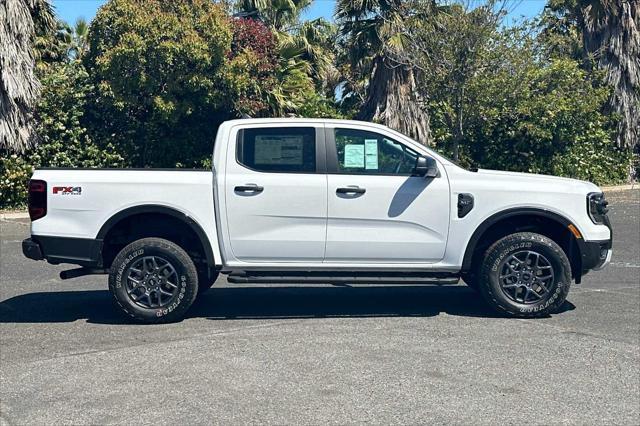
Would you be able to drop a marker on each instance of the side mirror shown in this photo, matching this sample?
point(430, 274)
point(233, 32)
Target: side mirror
point(426, 166)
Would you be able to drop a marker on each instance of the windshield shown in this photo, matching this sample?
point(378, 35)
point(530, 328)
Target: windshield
point(471, 168)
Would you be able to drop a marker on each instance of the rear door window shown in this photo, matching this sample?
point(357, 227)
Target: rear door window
point(278, 150)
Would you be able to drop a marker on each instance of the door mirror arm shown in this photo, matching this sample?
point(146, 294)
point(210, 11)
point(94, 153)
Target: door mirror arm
point(426, 167)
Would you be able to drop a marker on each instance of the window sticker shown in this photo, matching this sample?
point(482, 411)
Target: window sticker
point(371, 154)
point(279, 149)
point(353, 156)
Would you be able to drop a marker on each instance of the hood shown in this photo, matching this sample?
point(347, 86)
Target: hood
point(573, 185)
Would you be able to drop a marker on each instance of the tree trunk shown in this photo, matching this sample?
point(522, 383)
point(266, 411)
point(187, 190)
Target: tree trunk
point(613, 37)
point(392, 100)
point(458, 130)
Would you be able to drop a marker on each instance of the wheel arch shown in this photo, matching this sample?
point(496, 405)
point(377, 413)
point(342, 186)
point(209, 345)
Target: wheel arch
point(154, 209)
point(548, 223)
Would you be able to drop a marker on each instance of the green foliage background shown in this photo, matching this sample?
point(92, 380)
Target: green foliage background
point(157, 73)
point(150, 83)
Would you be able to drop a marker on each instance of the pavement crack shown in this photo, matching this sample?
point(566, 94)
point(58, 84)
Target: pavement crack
point(565, 330)
point(163, 342)
point(604, 290)
point(624, 265)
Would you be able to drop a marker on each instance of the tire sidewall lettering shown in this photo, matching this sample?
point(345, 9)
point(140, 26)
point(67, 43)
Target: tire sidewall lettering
point(125, 263)
point(546, 304)
point(179, 298)
point(186, 280)
point(496, 255)
point(507, 251)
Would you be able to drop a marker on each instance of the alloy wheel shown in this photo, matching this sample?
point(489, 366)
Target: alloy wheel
point(526, 277)
point(152, 282)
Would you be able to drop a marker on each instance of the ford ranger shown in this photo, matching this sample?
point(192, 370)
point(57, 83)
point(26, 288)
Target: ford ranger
point(319, 201)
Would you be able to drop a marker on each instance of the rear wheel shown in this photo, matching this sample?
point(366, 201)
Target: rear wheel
point(153, 280)
point(525, 275)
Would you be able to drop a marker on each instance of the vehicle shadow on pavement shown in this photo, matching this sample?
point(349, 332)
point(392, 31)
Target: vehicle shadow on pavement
point(261, 303)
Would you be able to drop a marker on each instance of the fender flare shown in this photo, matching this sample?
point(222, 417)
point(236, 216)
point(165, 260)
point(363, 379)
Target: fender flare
point(159, 209)
point(513, 212)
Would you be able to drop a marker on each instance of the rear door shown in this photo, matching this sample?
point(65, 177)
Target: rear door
point(377, 211)
point(276, 193)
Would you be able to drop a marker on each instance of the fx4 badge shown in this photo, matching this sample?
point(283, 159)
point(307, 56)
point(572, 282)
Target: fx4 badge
point(67, 190)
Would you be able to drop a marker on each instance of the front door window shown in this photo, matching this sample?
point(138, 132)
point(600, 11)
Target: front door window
point(368, 153)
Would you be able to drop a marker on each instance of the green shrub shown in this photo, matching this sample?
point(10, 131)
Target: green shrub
point(318, 106)
point(156, 68)
point(594, 157)
point(15, 172)
point(533, 114)
point(64, 141)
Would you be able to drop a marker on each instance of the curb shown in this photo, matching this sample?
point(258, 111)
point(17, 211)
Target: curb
point(616, 188)
point(14, 215)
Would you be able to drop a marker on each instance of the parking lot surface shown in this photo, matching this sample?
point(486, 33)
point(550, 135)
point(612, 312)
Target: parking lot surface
point(320, 354)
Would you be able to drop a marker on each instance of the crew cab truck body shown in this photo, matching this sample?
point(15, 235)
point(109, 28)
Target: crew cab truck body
point(307, 200)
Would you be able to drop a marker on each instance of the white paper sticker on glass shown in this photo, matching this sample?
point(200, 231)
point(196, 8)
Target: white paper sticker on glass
point(354, 156)
point(371, 154)
point(276, 149)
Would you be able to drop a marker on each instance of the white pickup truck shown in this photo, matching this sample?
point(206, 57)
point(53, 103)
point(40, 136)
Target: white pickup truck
point(321, 201)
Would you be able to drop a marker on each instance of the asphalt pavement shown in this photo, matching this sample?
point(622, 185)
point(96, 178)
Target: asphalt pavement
point(320, 354)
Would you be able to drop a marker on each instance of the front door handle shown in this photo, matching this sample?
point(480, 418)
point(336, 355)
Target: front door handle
point(250, 187)
point(351, 190)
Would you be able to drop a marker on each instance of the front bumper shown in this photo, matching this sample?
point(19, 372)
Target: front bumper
point(607, 260)
point(597, 254)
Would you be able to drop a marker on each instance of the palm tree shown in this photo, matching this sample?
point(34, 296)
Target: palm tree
point(76, 38)
point(611, 34)
point(304, 51)
point(278, 14)
point(375, 41)
point(21, 21)
point(314, 42)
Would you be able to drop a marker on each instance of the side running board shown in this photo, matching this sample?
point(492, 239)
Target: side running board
point(339, 278)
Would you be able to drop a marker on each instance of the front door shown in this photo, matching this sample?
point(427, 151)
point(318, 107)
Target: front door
point(276, 194)
point(377, 211)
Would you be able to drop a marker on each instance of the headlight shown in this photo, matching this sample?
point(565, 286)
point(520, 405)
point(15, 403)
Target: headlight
point(597, 207)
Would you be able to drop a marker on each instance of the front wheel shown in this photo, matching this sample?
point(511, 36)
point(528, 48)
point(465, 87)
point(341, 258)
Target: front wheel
point(525, 275)
point(153, 280)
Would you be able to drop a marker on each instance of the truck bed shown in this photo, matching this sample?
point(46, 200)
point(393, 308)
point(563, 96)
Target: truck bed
point(81, 201)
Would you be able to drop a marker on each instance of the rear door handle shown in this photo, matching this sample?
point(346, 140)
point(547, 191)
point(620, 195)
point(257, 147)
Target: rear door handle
point(250, 187)
point(351, 190)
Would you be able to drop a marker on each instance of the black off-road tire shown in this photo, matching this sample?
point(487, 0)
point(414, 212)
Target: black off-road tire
point(184, 278)
point(494, 263)
point(204, 282)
